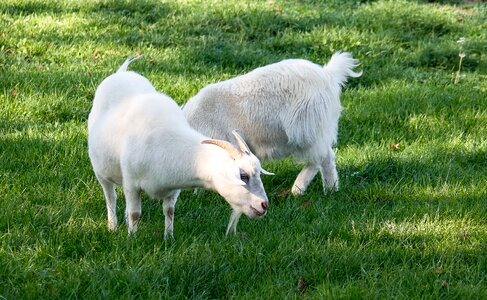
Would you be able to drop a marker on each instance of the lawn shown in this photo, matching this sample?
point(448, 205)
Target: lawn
point(410, 219)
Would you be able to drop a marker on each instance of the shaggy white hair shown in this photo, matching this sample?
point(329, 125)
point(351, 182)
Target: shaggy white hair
point(288, 108)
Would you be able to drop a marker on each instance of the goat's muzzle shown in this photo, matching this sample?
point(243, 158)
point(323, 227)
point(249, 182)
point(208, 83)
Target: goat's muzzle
point(257, 212)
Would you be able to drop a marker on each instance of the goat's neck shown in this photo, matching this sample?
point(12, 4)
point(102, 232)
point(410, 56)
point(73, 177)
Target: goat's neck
point(210, 162)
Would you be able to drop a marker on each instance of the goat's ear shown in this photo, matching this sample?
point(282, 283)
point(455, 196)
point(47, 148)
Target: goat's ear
point(241, 143)
point(266, 172)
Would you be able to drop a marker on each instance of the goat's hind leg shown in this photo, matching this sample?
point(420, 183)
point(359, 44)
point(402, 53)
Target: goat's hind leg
point(304, 178)
point(111, 201)
point(329, 174)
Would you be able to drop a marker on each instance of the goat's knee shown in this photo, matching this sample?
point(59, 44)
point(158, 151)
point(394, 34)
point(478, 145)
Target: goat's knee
point(168, 221)
point(168, 207)
point(133, 221)
point(133, 210)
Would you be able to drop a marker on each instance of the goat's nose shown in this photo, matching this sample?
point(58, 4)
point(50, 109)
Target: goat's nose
point(265, 205)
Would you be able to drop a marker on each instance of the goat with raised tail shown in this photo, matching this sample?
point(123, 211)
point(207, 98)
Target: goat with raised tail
point(288, 108)
point(139, 138)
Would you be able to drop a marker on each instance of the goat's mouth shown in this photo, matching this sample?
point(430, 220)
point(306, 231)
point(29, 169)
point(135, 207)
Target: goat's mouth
point(256, 212)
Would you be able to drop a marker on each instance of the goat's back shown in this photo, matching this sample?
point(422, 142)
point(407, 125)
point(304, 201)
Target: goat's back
point(279, 109)
point(130, 129)
point(115, 89)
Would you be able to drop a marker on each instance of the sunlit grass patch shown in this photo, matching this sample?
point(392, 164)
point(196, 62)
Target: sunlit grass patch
point(409, 220)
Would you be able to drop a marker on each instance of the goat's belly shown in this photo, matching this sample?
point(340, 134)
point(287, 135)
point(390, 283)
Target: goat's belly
point(270, 147)
point(109, 170)
point(158, 193)
point(269, 152)
point(105, 165)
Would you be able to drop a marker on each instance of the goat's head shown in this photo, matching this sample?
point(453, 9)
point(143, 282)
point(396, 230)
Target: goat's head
point(241, 185)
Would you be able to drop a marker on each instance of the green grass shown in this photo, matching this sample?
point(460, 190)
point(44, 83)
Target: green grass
point(410, 220)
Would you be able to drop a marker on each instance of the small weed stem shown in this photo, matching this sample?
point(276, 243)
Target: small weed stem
point(461, 54)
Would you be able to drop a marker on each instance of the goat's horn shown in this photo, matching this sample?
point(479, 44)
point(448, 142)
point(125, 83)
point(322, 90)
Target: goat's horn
point(266, 172)
point(231, 149)
point(241, 143)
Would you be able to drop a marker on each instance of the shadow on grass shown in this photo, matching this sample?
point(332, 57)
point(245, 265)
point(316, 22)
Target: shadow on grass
point(241, 40)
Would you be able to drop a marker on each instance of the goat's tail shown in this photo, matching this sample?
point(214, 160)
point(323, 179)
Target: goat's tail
point(127, 62)
point(341, 67)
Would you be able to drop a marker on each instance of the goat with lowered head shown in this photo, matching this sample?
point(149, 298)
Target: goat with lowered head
point(287, 108)
point(139, 138)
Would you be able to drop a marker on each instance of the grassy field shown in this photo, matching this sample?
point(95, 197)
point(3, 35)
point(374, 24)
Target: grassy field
point(410, 220)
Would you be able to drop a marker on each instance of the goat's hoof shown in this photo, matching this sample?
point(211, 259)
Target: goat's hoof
point(331, 188)
point(168, 234)
point(297, 191)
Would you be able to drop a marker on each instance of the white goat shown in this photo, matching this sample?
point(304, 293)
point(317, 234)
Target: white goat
point(139, 138)
point(288, 108)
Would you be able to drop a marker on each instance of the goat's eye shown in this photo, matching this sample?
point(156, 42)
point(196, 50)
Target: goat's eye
point(244, 177)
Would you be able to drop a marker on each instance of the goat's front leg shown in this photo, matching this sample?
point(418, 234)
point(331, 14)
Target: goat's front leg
point(133, 208)
point(304, 178)
point(232, 225)
point(168, 207)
